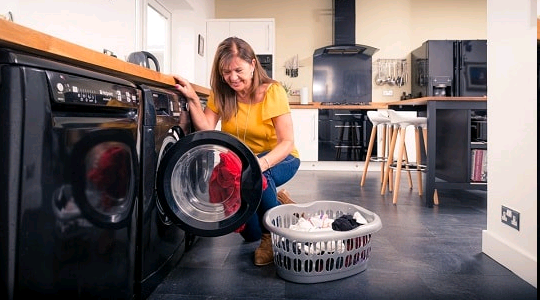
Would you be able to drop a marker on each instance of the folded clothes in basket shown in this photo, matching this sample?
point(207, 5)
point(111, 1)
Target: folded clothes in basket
point(323, 223)
point(314, 223)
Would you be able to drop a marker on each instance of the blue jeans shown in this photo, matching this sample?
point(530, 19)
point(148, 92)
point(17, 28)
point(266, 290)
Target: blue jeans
point(275, 176)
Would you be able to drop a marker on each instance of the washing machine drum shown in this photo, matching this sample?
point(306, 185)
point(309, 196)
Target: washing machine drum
point(209, 183)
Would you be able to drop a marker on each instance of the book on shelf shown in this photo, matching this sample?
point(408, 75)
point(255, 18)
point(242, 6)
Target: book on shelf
point(479, 165)
point(473, 155)
point(483, 173)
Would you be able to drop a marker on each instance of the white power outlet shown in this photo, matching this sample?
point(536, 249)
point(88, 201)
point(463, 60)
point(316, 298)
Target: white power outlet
point(387, 93)
point(510, 217)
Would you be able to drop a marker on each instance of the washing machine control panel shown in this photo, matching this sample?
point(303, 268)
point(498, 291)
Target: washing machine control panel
point(71, 89)
point(169, 103)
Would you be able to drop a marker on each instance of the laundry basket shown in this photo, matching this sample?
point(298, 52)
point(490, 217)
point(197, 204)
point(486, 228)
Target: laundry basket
point(318, 256)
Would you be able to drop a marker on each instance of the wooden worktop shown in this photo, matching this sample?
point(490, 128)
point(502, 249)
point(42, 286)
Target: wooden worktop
point(424, 100)
point(384, 105)
point(318, 105)
point(21, 38)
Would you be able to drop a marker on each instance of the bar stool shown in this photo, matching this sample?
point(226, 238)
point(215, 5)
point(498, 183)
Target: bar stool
point(377, 118)
point(402, 122)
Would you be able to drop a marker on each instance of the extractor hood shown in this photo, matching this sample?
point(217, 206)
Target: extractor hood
point(344, 19)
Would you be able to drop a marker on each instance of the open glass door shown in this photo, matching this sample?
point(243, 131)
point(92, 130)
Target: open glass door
point(209, 183)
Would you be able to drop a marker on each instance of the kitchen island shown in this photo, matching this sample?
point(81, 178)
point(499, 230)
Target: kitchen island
point(449, 141)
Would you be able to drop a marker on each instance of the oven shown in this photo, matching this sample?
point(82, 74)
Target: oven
point(343, 134)
point(266, 63)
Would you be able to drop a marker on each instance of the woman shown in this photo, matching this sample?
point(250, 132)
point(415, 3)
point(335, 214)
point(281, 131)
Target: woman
point(254, 108)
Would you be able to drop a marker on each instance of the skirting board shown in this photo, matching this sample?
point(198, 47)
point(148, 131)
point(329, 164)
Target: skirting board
point(357, 166)
point(511, 258)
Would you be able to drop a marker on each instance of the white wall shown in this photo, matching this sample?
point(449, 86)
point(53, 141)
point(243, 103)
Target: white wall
point(112, 25)
point(188, 22)
point(512, 132)
point(97, 24)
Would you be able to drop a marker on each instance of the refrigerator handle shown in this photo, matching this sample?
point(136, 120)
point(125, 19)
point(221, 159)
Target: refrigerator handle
point(457, 69)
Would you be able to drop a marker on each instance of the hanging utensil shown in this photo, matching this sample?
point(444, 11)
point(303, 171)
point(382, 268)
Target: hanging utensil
point(380, 80)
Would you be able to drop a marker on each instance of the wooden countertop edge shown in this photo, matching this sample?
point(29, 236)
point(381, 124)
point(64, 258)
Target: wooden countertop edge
point(17, 37)
point(384, 105)
point(424, 100)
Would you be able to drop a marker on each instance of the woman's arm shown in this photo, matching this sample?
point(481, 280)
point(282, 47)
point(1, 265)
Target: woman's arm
point(285, 142)
point(202, 120)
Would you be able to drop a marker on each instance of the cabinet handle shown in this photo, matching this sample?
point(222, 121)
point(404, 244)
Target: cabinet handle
point(313, 133)
point(267, 38)
point(354, 115)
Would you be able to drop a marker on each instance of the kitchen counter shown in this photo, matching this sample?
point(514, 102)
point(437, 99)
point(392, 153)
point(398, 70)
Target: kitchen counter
point(21, 38)
point(384, 105)
point(317, 105)
point(425, 100)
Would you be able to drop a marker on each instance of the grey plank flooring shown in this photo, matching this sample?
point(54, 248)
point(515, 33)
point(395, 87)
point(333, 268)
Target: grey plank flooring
point(420, 252)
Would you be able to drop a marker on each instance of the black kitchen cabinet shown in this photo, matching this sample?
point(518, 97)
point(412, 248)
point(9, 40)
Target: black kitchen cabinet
point(343, 135)
point(459, 133)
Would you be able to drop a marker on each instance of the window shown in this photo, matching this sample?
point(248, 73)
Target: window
point(156, 33)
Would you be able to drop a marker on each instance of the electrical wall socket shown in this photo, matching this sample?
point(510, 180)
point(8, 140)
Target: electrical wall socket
point(387, 93)
point(510, 217)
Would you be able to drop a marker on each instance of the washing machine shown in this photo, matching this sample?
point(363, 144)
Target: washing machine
point(70, 180)
point(160, 244)
point(182, 198)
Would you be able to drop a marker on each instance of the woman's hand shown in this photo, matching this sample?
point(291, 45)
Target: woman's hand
point(263, 163)
point(185, 88)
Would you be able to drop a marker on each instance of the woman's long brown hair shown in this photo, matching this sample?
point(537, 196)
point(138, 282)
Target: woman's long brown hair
point(224, 95)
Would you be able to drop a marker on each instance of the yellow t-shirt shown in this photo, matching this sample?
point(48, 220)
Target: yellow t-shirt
point(253, 123)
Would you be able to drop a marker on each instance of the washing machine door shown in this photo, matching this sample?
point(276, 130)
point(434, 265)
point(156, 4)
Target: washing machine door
point(209, 183)
point(104, 168)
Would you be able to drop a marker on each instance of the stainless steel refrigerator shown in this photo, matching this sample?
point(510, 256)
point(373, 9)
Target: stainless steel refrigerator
point(449, 68)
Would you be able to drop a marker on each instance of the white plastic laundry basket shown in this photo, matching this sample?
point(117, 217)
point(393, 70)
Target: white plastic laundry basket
point(310, 257)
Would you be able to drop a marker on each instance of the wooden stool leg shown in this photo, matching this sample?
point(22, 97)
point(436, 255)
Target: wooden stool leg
point(368, 156)
point(389, 160)
point(406, 159)
point(403, 130)
point(383, 150)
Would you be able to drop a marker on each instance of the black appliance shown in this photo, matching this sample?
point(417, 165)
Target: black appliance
point(69, 185)
point(266, 63)
point(160, 244)
point(449, 68)
point(343, 135)
point(342, 72)
point(145, 59)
